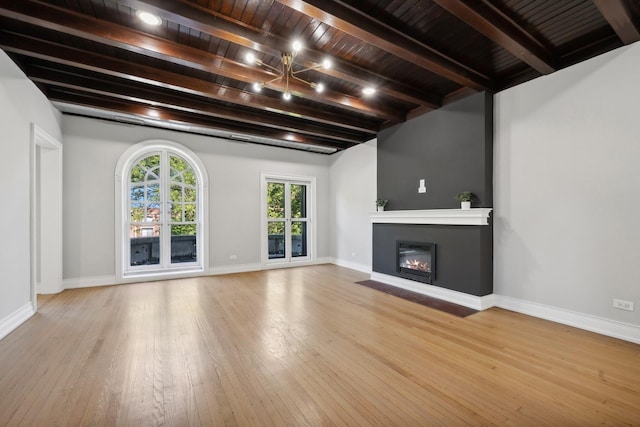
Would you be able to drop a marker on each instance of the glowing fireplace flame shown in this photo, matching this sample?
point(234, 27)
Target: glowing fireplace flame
point(415, 264)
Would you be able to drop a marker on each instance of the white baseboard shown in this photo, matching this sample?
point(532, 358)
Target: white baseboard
point(277, 265)
point(231, 269)
point(471, 301)
point(353, 265)
point(91, 282)
point(88, 282)
point(608, 327)
point(611, 328)
point(45, 290)
point(15, 319)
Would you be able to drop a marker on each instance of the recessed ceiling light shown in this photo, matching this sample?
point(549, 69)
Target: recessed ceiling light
point(149, 18)
point(368, 91)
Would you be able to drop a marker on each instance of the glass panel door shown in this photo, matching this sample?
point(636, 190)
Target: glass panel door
point(287, 220)
point(276, 220)
point(163, 213)
point(298, 193)
point(183, 211)
point(144, 212)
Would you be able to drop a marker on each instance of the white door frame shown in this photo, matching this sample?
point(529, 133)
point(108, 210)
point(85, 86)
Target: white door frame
point(45, 188)
point(311, 222)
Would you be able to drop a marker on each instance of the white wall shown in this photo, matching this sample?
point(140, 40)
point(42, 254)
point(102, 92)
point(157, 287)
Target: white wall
point(21, 104)
point(353, 195)
point(91, 151)
point(567, 188)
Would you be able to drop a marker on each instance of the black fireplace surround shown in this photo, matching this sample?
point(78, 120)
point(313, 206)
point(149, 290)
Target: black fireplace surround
point(465, 254)
point(416, 260)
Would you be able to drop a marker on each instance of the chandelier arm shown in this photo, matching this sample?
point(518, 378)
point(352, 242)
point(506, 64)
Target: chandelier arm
point(272, 80)
point(315, 67)
point(262, 64)
point(303, 80)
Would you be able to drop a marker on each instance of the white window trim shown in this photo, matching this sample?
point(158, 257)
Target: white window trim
point(124, 164)
point(311, 222)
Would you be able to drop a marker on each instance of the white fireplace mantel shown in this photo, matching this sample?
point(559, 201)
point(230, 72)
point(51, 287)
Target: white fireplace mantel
point(473, 216)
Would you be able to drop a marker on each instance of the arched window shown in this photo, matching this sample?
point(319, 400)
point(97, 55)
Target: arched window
point(161, 203)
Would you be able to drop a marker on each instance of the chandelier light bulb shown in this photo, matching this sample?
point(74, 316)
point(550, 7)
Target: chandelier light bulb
point(368, 91)
point(326, 63)
point(286, 96)
point(297, 45)
point(250, 58)
point(257, 87)
point(148, 18)
point(319, 87)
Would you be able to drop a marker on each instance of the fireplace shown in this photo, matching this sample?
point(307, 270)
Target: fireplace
point(416, 260)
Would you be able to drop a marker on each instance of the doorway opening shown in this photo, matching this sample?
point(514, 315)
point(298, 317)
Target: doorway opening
point(46, 214)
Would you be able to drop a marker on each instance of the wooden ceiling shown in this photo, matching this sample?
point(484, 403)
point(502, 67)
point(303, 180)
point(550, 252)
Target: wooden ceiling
point(95, 57)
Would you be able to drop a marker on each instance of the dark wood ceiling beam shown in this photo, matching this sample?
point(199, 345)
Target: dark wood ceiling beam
point(619, 17)
point(156, 98)
point(121, 37)
point(210, 22)
point(113, 67)
point(501, 29)
point(363, 27)
point(129, 107)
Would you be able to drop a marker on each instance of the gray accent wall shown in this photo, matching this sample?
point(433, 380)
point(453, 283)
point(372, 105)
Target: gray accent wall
point(452, 150)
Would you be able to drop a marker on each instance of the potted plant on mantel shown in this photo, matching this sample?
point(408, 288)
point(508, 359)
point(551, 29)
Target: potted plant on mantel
point(380, 204)
point(465, 199)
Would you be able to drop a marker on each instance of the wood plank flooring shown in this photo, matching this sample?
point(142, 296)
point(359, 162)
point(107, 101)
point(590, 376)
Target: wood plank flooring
point(303, 346)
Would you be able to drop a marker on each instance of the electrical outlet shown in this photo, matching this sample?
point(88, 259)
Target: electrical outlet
point(233, 256)
point(622, 304)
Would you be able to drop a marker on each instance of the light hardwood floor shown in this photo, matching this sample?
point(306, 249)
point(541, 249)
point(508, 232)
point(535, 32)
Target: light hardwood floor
point(303, 346)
